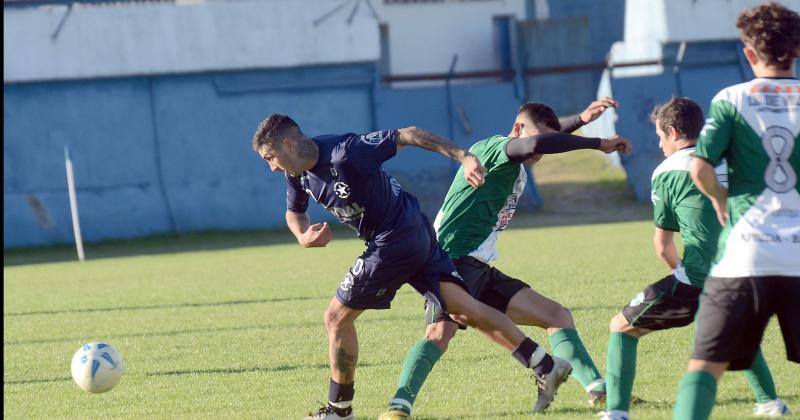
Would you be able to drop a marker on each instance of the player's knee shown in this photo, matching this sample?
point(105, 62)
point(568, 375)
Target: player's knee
point(440, 333)
point(461, 319)
point(334, 317)
point(716, 369)
point(564, 318)
point(619, 324)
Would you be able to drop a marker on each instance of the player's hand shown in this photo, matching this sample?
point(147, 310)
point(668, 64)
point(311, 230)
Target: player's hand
point(596, 108)
point(615, 144)
point(317, 235)
point(721, 207)
point(473, 170)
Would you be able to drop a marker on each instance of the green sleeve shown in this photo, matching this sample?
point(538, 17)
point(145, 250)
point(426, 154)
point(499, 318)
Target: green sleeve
point(663, 214)
point(492, 153)
point(716, 135)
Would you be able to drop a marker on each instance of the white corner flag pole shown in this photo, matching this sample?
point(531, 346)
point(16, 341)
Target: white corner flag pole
point(73, 205)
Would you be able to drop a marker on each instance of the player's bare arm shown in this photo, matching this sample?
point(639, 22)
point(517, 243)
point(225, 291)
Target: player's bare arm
point(596, 108)
point(706, 181)
point(413, 136)
point(308, 235)
point(591, 113)
point(665, 247)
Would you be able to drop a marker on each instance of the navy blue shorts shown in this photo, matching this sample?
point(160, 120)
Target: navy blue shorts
point(413, 257)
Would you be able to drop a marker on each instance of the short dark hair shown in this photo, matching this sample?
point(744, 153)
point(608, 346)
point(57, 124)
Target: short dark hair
point(271, 130)
point(541, 115)
point(774, 31)
point(681, 113)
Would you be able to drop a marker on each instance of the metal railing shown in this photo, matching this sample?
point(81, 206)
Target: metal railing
point(510, 73)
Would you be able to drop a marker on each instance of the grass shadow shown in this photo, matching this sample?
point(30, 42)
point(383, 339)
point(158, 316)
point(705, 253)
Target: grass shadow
point(572, 209)
point(206, 330)
point(172, 306)
point(151, 245)
point(239, 370)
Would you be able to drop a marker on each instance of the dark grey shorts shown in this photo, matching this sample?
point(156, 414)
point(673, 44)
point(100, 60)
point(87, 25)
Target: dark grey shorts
point(734, 313)
point(488, 284)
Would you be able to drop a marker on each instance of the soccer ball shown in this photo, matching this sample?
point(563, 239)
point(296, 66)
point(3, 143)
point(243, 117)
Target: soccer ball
point(97, 367)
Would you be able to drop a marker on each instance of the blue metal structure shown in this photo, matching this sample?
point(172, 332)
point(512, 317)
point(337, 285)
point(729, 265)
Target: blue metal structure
point(171, 153)
point(696, 69)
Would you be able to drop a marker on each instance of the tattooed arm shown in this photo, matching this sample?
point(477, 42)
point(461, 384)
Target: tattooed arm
point(413, 136)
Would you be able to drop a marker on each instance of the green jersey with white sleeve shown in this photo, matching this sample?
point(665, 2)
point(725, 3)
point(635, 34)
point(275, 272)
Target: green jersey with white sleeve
point(679, 206)
point(755, 126)
point(471, 218)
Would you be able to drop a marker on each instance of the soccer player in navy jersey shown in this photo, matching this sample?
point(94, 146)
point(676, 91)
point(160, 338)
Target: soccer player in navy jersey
point(343, 174)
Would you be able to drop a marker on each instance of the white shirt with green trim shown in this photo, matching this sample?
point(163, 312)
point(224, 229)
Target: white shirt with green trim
point(755, 126)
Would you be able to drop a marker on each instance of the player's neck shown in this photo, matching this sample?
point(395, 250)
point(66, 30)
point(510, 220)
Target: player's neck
point(684, 144)
point(308, 151)
point(774, 72)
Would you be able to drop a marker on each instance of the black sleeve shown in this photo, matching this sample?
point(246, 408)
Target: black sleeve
point(570, 124)
point(523, 148)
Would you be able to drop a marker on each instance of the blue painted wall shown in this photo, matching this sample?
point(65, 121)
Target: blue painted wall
point(160, 154)
point(109, 126)
point(558, 42)
point(606, 22)
point(575, 32)
point(172, 153)
point(604, 25)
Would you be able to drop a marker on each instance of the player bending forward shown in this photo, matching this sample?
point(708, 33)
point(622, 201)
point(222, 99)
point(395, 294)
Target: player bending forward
point(343, 174)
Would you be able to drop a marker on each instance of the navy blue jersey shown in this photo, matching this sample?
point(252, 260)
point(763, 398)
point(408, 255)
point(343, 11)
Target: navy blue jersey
point(349, 182)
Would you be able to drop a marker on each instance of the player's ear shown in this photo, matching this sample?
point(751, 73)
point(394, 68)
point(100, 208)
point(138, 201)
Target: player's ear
point(673, 133)
point(517, 129)
point(750, 54)
point(288, 143)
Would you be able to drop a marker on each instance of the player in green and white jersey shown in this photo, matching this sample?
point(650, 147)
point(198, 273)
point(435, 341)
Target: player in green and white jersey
point(672, 302)
point(470, 221)
point(755, 126)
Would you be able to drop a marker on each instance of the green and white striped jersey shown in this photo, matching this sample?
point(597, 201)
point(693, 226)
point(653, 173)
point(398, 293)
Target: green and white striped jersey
point(471, 218)
point(679, 206)
point(755, 126)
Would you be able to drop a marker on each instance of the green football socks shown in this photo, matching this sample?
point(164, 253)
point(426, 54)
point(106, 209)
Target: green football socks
point(696, 394)
point(566, 344)
point(418, 364)
point(620, 370)
point(760, 379)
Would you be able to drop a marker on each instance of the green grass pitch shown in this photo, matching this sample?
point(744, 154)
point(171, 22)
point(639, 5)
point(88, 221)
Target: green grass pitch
point(230, 326)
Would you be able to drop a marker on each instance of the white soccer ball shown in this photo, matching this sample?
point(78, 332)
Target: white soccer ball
point(97, 367)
